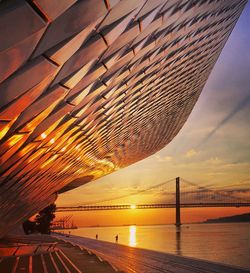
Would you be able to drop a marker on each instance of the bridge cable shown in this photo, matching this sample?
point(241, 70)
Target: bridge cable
point(131, 194)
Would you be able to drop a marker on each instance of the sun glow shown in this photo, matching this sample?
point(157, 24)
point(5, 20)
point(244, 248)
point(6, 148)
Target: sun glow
point(133, 206)
point(132, 236)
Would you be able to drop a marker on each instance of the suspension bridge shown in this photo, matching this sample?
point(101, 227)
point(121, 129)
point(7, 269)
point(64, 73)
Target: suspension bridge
point(180, 194)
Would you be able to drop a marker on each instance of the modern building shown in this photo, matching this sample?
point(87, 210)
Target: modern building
point(90, 86)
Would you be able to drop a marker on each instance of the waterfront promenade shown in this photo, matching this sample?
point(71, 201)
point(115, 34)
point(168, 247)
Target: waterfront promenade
point(74, 254)
point(136, 260)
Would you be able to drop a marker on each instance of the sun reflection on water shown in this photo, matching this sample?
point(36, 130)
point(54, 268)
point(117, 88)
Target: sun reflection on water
point(132, 236)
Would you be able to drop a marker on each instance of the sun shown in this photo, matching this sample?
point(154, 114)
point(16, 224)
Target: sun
point(133, 206)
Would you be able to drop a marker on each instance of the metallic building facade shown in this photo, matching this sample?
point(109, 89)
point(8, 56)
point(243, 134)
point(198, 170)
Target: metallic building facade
point(91, 86)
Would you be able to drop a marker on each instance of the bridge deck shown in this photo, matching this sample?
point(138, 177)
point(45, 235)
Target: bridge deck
point(151, 206)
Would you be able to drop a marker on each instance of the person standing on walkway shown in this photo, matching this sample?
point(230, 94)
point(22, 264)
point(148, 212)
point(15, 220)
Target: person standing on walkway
point(96, 236)
point(116, 238)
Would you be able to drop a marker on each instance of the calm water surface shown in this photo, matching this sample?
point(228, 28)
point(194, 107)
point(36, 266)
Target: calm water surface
point(224, 243)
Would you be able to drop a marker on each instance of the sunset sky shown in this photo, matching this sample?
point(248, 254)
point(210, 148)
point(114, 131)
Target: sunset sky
point(212, 149)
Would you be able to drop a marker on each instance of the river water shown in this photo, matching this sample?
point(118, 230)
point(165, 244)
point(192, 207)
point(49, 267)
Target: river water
point(223, 243)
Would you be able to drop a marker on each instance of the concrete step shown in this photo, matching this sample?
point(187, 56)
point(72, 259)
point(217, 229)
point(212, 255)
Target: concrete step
point(87, 261)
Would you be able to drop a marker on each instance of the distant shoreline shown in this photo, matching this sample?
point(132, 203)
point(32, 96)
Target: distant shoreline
point(239, 218)
point(184, 224)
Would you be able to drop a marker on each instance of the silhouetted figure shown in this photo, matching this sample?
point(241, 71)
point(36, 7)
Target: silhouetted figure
point(116, 238)
point(96, 236)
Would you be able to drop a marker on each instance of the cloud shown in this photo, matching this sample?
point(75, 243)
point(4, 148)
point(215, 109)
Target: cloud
point(191, 153)
point(214, 161)
point(164, 158)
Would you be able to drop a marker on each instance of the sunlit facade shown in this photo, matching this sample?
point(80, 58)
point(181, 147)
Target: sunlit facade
point(89, 87)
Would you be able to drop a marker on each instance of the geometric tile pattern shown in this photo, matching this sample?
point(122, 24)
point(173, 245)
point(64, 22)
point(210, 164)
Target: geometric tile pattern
point(88, 87)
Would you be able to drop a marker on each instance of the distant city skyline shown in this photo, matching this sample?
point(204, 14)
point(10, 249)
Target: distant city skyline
point(213, 146)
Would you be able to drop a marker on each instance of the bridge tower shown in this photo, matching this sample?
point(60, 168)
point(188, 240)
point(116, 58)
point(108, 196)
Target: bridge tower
point(177, 203)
